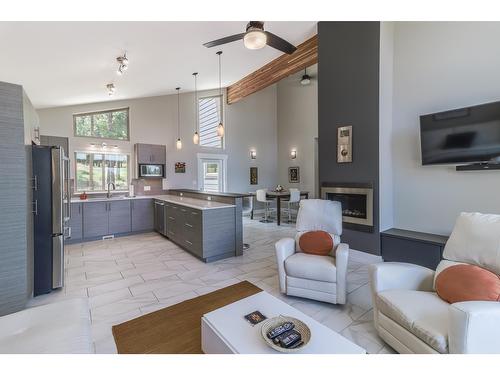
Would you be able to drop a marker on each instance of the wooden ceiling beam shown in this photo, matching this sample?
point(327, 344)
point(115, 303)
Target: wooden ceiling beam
point(281, 67)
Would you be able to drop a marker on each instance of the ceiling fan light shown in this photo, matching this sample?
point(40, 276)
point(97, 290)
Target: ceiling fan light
point(220, 130)
point(305, 80)
point(255, 39)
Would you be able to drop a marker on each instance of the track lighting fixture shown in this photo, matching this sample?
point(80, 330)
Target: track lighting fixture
point(122, 64)
point(111, 89)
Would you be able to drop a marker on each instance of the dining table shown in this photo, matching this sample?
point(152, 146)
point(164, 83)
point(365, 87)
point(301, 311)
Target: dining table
point(279, 195)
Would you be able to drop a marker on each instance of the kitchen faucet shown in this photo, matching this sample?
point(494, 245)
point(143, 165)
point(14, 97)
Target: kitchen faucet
point(108, 195)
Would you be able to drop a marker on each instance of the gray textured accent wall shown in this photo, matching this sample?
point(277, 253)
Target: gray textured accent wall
point(348, 94)
point(13, 201)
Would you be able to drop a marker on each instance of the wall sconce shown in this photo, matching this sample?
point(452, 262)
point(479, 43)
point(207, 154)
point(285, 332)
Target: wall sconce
point(293, 154)
point(253, 154)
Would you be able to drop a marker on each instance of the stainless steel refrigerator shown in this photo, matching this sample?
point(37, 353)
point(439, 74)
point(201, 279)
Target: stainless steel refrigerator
point(51, 210)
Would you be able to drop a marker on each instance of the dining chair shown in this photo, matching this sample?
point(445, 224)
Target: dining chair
point(261, 196)
point(292, 202)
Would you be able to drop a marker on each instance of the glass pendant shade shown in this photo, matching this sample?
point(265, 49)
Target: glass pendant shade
point(255, 39)
point(220, 130)
point(178, 144)
point(196, 138)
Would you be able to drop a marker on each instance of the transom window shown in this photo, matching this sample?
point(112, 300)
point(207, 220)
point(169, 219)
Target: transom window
point(95, 170)
point(112, 124)
point(210, 115)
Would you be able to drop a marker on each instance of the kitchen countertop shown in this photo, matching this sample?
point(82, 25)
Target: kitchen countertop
point(199, 204)
point(215, 194)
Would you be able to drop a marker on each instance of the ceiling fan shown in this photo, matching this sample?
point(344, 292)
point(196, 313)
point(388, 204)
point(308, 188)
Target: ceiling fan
point(256, 38)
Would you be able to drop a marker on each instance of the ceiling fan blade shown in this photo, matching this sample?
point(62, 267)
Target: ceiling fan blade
point(279, 43)
point(227, 39)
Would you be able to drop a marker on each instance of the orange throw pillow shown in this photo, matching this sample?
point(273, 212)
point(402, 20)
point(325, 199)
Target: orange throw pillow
point(317, 242)
point(465, 282)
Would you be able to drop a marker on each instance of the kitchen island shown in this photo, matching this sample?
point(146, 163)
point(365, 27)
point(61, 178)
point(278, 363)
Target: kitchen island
point(206, 229)
point(235, 199)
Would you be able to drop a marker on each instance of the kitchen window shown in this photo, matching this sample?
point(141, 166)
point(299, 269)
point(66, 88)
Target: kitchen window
point(112, 124)
point(210, 115)
point(95, 170)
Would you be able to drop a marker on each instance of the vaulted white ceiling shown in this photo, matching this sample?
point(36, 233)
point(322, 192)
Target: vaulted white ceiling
point(65, 63)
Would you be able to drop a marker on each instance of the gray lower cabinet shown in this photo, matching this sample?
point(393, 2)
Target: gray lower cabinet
point(76, 222)
point(142, 215)
point(207, 234)
point(119, 220)
point(95, 219)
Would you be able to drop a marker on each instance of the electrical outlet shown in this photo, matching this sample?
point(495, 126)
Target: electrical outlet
point(147, 188)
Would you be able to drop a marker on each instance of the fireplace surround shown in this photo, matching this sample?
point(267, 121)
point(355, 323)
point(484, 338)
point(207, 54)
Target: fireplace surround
point(357, 203)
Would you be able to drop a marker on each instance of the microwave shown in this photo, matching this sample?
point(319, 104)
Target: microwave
point(151, 170)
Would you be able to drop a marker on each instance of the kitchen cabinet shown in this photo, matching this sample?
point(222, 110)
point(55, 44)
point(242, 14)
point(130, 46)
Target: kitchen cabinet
point(103, 218)
point(76, 223)
point(95, 219)
point(119, 220)
point(207, 234)
point(49, 140)
point(150, 154)
point(142, 215)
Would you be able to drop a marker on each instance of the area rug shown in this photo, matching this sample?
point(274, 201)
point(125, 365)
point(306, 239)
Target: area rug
point(176, 329)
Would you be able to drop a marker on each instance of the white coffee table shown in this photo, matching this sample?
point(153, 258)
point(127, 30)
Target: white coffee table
point(225, 330)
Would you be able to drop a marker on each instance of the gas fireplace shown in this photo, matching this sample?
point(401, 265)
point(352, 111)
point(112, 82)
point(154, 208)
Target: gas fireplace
point(356, 201)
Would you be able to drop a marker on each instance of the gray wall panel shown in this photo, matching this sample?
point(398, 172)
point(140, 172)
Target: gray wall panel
point(13, 201)
point(348, 94)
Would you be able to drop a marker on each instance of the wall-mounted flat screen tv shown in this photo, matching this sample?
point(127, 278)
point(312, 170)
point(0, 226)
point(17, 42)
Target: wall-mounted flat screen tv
point(465, 135)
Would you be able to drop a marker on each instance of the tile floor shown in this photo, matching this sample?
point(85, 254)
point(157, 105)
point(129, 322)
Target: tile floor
point(130, 276)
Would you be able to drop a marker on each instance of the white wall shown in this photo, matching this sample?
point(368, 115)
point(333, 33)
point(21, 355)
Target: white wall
point(297, 129)
point(249, 123)
point(440, 66)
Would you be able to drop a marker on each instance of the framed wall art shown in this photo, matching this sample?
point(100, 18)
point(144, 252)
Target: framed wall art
point(293, 175)
point(254, 180)
point(180, 167)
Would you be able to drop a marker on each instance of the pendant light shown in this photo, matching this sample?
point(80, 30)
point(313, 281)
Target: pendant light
point(306, 79)
point(220, 128)
point(196, 136)
point(178, 144)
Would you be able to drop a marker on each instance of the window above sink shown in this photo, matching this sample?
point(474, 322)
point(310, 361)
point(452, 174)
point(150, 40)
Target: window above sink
point(94, 170)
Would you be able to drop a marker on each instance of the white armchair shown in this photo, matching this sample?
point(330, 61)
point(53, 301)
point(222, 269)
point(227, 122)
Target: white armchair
point(410, 316)
point(321, 278)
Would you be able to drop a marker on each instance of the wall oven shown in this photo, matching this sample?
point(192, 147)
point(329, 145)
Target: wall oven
point(151, 170)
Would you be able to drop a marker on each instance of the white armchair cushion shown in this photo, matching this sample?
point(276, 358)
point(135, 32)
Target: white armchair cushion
point(475, 240)
point(422, 313)
point(319, 214)
point(312, 267)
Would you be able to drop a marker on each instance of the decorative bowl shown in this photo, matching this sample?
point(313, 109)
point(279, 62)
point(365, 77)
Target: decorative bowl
point(300, 327)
